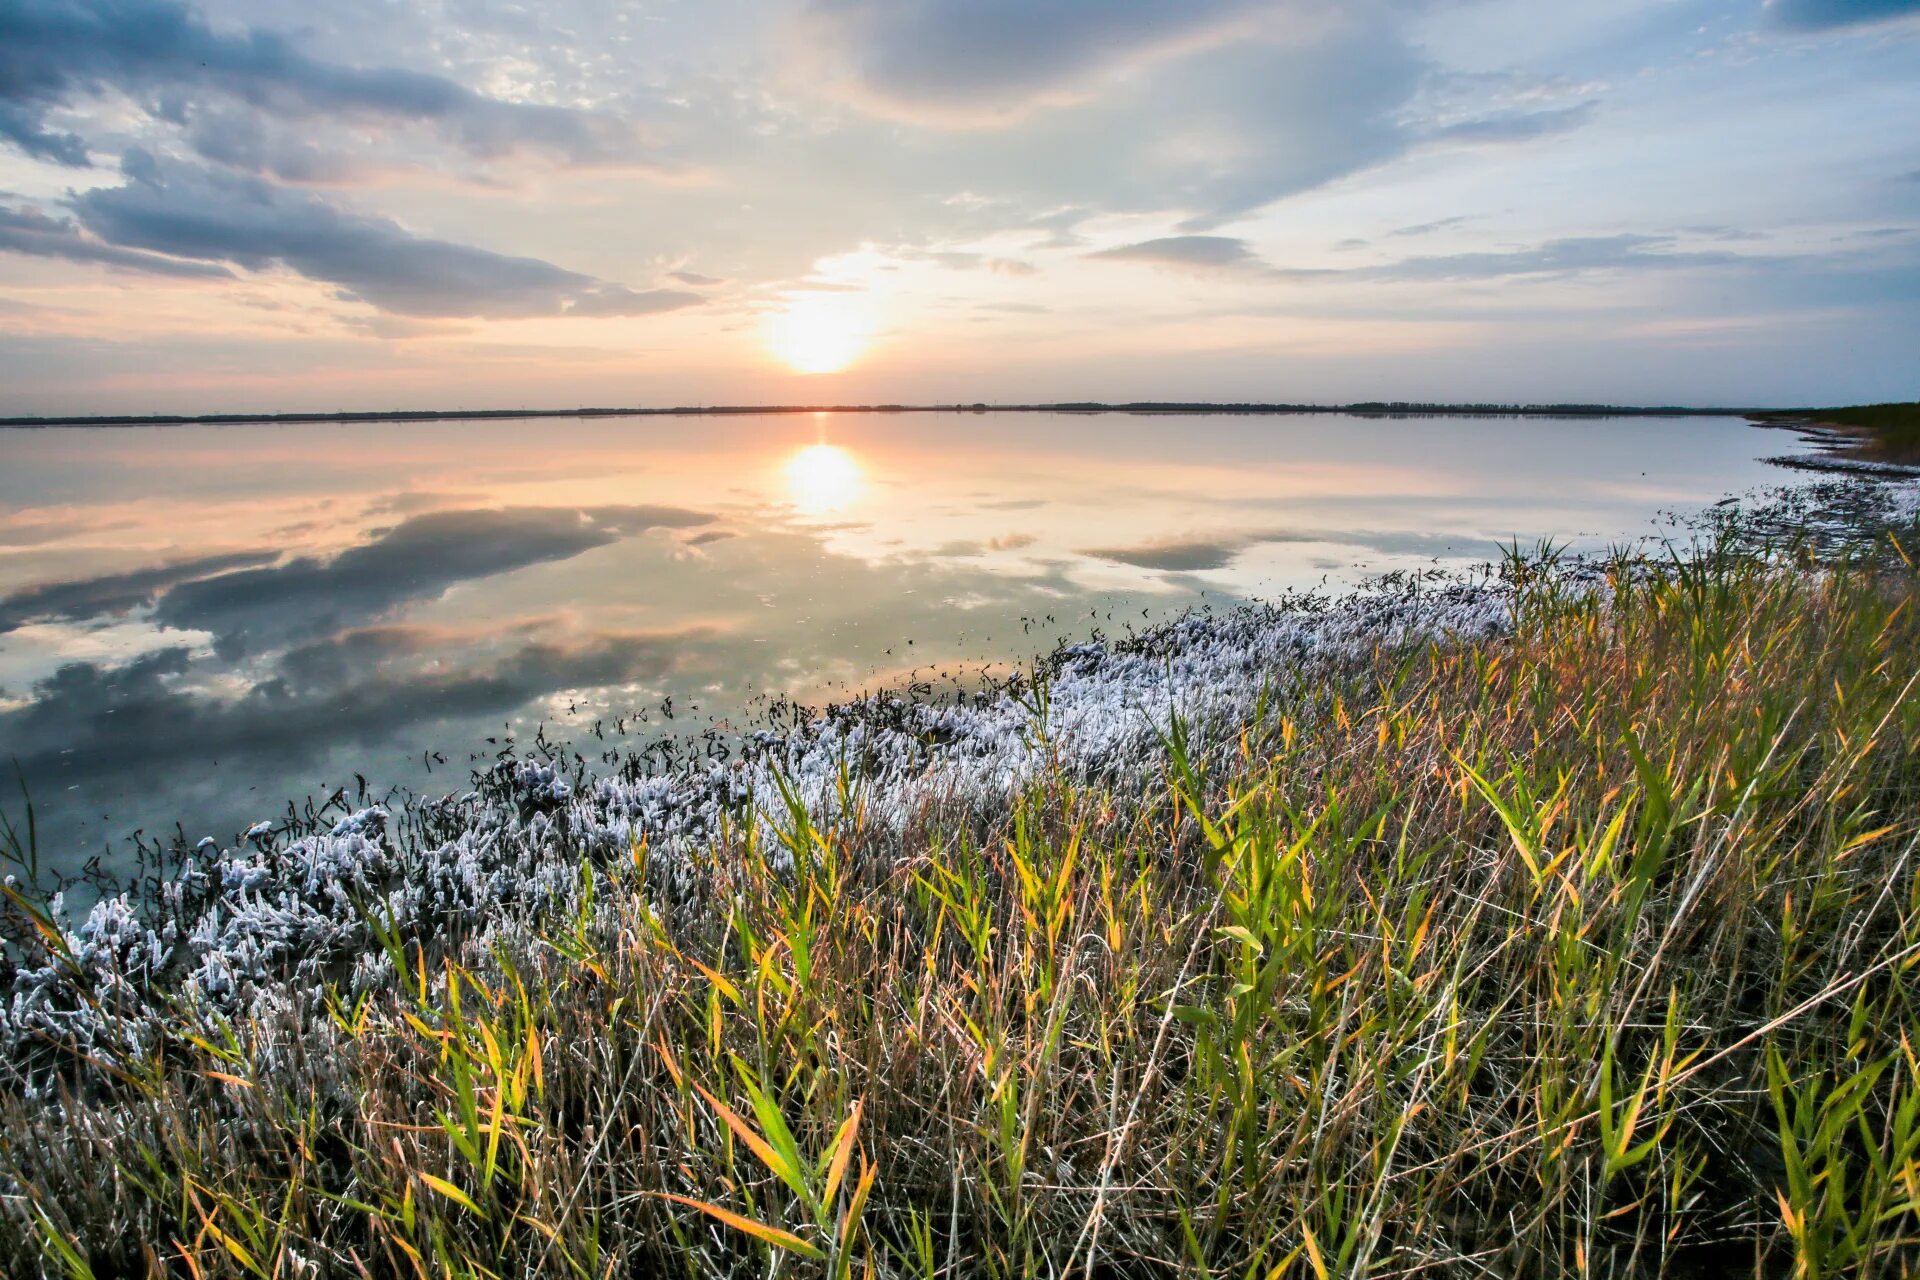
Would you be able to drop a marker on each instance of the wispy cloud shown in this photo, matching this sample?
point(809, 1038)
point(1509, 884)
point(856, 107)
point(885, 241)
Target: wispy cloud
point(990, 61)
point(417, 559)
point(1517, 126)
point(55, 53)
point(1570, 256)
point(207, 215)
point(1428, 228)
point(85, 599)
point(28, 231)
point(1827, 15)
point(1187, 253)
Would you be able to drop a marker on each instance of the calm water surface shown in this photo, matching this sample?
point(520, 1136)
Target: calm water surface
point(199, 623)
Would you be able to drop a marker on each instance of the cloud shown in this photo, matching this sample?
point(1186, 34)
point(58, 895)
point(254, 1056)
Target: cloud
point(695, 279)
point(56, 53)
point(1516, 126)
point(1827, 15)
point(1217, 551)
point(239, 137)
point(989, 61)
point(1570, 256)
point(958, 260)
point(1189, 253)
point(618, 300)
point(89, 721)
point(822, 286)
point(23, 126)
point(399, 328)
point(88, 598)
point(1188, 555)
point(409, 502)
point(417, 559)
point(212, 216)
point(1199, 125)
point(1721, 231)
point(26, 230)
point(30, 528)
point(1426, 228)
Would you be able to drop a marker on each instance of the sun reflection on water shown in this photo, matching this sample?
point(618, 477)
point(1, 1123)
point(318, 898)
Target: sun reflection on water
point(822, 478)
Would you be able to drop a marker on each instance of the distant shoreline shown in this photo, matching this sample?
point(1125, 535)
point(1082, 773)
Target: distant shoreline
point(1368, 408)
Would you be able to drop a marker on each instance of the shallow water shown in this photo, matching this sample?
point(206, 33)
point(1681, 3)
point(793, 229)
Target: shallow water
point(199, 623)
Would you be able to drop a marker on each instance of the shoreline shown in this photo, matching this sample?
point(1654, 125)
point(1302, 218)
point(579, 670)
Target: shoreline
point(1254, 843)
point(1357, 409)
point(1875, 442)
point(509, 838)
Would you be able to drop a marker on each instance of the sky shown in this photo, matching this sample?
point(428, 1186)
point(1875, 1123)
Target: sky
point(271, 205)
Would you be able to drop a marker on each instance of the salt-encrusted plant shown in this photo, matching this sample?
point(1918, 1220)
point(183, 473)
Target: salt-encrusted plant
point(1563, 922)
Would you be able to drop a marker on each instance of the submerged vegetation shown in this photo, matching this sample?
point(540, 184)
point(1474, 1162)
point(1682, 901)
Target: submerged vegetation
point(1562, 923)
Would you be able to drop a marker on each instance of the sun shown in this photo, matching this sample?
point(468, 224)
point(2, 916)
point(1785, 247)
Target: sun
point(822, 478)
point(819, 335)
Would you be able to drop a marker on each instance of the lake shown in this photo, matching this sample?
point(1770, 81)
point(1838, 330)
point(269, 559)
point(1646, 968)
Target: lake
point(200, 623)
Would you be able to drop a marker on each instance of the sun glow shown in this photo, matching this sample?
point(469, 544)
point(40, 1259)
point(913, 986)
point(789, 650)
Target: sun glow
point(822, 477)
point(820, 334)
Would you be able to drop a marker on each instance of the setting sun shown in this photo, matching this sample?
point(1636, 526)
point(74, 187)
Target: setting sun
point(819, 335)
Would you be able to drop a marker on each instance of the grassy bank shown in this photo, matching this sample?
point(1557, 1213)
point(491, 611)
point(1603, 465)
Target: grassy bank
point(1590, 948)
point(1872, 433)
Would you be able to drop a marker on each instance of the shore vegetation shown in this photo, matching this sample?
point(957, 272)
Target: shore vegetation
point(1587, 944)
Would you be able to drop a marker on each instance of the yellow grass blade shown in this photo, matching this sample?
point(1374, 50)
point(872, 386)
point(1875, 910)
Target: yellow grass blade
point(450, 1191)
point(760, 1147)
point(759, 1230)
point(843, 1148)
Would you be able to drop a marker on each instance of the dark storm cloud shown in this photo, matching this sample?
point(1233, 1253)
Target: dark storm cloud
point(31, 232)
point(417, 559)
point(54, 53)
point(1208, 253)
point(145, 715)
point(213, 216)
point(115, 593)
point(1823, 15)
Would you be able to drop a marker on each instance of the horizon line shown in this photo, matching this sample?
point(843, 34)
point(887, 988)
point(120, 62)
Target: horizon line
point(1358, 408)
